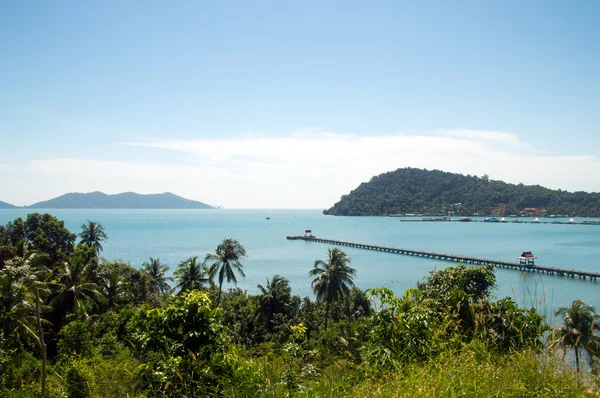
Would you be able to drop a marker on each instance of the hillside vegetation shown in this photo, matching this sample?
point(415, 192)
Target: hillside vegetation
point(434, 192)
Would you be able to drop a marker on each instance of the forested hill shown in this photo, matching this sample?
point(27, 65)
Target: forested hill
point(434, 192)
point(126, 200)
point(4, 205)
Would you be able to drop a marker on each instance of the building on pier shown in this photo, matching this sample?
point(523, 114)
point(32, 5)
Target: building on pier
point(527, 258)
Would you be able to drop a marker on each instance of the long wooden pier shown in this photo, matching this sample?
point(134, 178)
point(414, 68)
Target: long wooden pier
point(570, 273)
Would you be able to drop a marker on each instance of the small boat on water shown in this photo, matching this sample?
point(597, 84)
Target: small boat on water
point(503, 220)
point(491, 219)
point(465, 219)
point(268, 218)
point(536, 221)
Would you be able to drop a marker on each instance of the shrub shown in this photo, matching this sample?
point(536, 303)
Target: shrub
point(78, 380)
point(76, 341)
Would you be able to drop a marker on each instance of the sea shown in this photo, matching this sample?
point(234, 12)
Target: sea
point(175, 235)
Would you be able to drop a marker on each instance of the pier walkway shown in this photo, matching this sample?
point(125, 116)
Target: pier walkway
point(571, 273)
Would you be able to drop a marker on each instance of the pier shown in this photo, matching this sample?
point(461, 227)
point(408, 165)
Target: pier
point(569, 273)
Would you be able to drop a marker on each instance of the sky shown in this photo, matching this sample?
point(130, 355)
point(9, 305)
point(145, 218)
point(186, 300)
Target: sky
point(280, 104)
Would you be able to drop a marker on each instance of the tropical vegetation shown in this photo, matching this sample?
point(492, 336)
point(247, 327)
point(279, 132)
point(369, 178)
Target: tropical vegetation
point(224, 262)
point(434, 192)
point(333, 278)
point(580, 323)
point(74, 325)
point(190, 275)
point(92, 234)
point(158, 272)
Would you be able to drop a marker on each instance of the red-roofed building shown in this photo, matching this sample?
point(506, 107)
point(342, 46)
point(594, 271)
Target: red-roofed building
point(533, 211)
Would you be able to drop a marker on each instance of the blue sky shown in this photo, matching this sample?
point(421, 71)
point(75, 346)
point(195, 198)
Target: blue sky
point(292, 104)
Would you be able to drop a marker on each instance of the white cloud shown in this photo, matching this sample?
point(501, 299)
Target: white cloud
point(499, 136)
point(309, 169)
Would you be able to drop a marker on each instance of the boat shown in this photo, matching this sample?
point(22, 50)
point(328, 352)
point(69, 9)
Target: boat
point(465, 219)
point(503, 220)
point(268, 218)
point(491, 219)
point(536, 221)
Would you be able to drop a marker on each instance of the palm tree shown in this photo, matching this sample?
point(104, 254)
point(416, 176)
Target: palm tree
point(190, 275)
point(274, 297)
point(92, 234)
point(73, 291)
point(157, 272)
point(18, 279)
point(226, 258)
point(113, 289)
point(333, 278)
point(580, 323)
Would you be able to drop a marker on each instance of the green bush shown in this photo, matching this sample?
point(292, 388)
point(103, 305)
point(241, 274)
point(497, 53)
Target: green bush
point(78, 380)
point(76, 341)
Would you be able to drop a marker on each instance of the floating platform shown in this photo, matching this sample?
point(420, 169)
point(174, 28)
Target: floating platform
point(569, 273)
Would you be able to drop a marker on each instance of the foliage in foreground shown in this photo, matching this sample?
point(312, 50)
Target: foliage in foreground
point(478, 373)
point(113, 330)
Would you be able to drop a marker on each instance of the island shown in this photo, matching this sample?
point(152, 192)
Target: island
point(412, 191)
point(4, 205)
point(126, 200)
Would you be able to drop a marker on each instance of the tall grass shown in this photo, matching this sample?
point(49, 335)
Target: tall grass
point(473, 373)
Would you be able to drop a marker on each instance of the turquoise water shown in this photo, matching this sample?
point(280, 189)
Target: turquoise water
point(174, 235)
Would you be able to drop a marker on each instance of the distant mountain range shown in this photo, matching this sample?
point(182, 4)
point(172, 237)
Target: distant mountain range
point(126, 200)
point(4, 205)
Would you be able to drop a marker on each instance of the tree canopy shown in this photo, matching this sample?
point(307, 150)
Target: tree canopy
point(434, 192)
